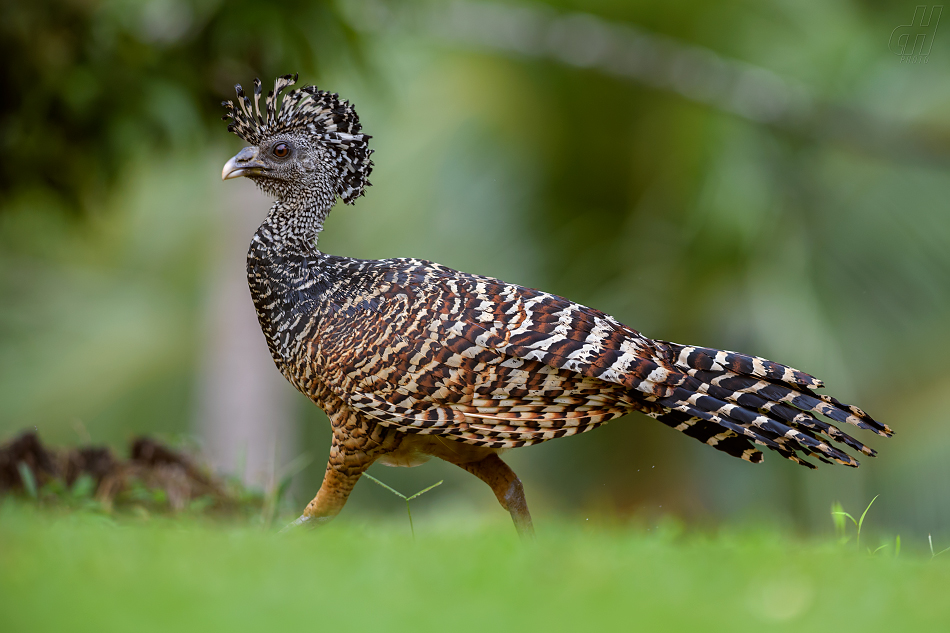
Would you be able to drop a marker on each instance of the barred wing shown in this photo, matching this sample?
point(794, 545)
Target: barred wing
point(427, 349)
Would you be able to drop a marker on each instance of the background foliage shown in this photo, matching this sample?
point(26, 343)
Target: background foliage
point(818, 238)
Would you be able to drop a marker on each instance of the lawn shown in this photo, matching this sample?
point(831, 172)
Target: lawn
point(63, 571)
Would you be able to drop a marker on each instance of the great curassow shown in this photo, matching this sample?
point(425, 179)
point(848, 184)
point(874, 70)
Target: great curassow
point(411, 359)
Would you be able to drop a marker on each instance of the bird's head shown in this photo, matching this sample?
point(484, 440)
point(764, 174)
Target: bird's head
point(304, 148)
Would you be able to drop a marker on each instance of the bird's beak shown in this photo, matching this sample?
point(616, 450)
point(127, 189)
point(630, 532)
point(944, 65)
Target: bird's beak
point(244, 163)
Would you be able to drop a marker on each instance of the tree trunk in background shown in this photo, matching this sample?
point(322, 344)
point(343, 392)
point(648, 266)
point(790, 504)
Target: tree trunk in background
point(245, 410)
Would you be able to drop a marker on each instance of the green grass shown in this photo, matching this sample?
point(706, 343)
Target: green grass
point(77, 571)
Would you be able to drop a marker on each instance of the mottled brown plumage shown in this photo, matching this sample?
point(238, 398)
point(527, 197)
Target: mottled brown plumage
point(411, 359)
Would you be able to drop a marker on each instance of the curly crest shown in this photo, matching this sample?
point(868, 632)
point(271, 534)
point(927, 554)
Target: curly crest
point(333, 121)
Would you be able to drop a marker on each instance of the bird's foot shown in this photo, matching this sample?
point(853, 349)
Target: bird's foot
point(304, 522)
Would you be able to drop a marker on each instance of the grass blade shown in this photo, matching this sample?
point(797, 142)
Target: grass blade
point(29, 481)
point(847, 515)
point(392, 490)
point(297, 465)
point(412, 528)
point(932, 555)
point(422, 492)
point(861, 522)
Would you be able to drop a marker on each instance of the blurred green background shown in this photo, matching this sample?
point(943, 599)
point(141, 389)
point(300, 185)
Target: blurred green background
point(765, 177)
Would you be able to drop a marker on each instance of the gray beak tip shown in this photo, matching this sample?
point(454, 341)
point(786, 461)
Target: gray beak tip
point(241, 164)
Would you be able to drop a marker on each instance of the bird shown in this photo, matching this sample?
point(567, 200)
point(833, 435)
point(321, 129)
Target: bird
point(411, 359)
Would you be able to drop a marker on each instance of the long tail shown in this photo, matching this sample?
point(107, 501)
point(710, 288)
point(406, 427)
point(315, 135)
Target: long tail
point(732, 400)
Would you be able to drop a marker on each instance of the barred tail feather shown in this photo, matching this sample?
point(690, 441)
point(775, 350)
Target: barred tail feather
point(706, 358)
point(712, 434)
point(760, 401)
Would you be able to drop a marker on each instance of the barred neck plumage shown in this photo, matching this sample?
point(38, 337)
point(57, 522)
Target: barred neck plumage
point(294, 228)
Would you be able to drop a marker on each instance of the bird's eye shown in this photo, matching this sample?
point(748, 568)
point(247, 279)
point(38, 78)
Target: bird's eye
point(281, 150)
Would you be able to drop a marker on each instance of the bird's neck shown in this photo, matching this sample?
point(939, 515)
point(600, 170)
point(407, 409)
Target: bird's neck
point(295, 227)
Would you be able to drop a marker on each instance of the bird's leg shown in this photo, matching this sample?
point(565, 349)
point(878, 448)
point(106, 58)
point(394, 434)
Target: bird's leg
point(338, 481)
point(507, 488)
point(343, 471)
point(356, 444)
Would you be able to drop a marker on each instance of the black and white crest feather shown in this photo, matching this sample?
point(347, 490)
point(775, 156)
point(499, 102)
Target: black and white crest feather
point(322, 114)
